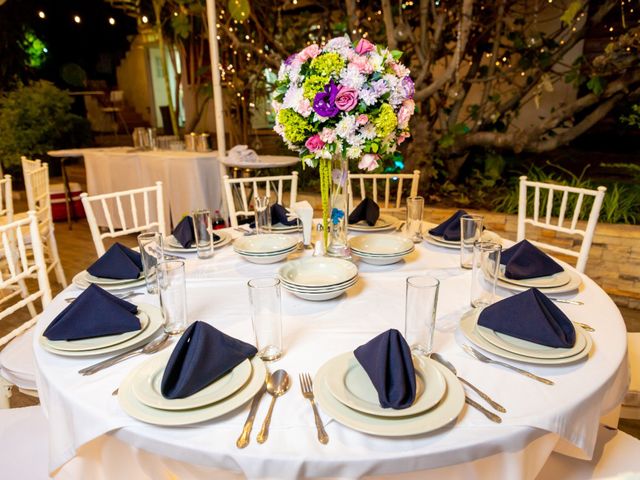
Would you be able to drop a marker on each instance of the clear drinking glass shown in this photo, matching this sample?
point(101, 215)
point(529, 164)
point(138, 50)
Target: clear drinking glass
point(173, 295)
point(151, 252)
point(486, 264)
point(202, 229)
point(262, 211)
point(266, 316)
point(470, 231)
point(415, 209)
point(420, 313)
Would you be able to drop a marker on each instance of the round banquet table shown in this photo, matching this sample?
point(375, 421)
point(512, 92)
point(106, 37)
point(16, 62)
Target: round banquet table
point(92, 437)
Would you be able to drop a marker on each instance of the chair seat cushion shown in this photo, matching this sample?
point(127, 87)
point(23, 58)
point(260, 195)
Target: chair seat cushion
point(17, 362)
point(632, 398)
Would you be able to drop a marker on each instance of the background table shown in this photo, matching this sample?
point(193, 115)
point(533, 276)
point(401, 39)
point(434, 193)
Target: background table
point(540, 418)
point(264, 161)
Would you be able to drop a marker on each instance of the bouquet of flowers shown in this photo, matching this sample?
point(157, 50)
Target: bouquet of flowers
point(341, 99)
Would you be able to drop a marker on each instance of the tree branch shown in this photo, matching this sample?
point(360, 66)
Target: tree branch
point(389, 27)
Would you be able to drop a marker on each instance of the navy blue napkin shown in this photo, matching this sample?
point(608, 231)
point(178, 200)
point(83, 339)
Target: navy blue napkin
point(387, 361)
point(531, 316)
point(450, 228)
point(279, 215)
point(203, 354)
point(367, 210)
point(119, 263)
point(525, 260)
point(183, 232)
point(95, 313)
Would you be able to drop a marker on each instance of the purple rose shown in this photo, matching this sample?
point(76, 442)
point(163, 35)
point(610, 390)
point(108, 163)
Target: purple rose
point(408, 86)
point(324, 103)
point(346, 99)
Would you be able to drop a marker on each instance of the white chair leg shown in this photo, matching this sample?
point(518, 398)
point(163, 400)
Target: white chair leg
point(5, 393)
point(24, 293)
point(56, 260)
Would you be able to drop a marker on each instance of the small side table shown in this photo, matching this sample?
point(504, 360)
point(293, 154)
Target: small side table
point(64, 155)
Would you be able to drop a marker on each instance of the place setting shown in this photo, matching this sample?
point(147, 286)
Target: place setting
point(119, 268)
point(185, 237)
point(366, 217)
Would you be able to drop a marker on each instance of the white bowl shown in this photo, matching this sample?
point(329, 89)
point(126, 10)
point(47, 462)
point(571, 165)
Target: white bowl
point(317, 272)
point(342, 286)
point(379, 260)
point(264, 244)
point(317, 297)
point(266, 259)
point(270, 254)
point(381, 244)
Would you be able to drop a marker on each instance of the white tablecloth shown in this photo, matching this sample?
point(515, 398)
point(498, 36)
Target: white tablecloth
point(190, 180)
point(540, 418)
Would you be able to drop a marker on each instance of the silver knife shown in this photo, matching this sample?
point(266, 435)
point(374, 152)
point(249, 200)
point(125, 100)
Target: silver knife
point(243, 440)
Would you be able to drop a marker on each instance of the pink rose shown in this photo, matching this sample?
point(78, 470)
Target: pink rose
point(346, 99)
point(403, 136)
point(362, 119)
point(368, 162)
point(407, 109)
point(312, 51)
point(314, 143)
point(304, 107)
point(328, 135)
point(362, 64)
point(364, 46)
point(399, 69)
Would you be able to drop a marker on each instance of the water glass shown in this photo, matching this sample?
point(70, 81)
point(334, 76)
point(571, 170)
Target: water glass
point(173, 295)
point(262, 211)
point(486, 265)
point(151, 252)
point(266, 316)
point(470, 231)
point(420, 313)
point(415, 209)
point(202, 229)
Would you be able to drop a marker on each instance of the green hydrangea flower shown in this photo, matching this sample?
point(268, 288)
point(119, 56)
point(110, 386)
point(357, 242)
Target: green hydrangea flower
point(386, 121)
point(328, 63)
point(296, 128)
point(312, 85)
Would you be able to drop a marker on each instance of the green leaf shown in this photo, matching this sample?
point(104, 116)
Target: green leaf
point(571, 12)
point(396, 54)
point(375, 147)
point(596, 85)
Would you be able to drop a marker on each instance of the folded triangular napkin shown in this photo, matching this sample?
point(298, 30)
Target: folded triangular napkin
point(531, 316)
point(367, 210)
point(525, 260)
point(279, 215)
point(203, 354)
point(119, 263)
point(450, 228)
point(183, 232)
point(95, 313)
point(387, 361)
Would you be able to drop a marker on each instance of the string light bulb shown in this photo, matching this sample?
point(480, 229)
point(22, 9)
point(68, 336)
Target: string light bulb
point(77, 19)
point(112, 21)
point(145, 19)
point(42, 15)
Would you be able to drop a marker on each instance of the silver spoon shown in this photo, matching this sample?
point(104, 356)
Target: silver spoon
point(277, 385)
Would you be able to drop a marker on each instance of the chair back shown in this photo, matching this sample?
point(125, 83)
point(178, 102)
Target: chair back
point(121, 215)
point(6, 199)
point(18, 265)
point(28, 164)
point(240, 193)
point(389, 194)
point(36, 183)
point(569, 203)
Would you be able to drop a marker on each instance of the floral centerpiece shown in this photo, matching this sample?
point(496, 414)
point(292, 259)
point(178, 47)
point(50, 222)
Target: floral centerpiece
point(340, 102)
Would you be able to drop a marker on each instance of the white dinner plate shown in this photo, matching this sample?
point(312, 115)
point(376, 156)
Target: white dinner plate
point(101, 281)
point(385, 222)
point(83, 280)
point(148, 380)
point(156, 322)
point(350, 384)
point(100, 342)
point(468, 325)
point(280, 228)
point(133, 407)
point(444, 413)
point(317, 271)
point(435, 238)
point(172, 245)
point(433, 241)
point(556, 280)
point(573, 284)
point(530, 349)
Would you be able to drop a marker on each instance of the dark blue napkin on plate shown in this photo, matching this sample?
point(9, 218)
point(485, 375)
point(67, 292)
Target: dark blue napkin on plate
point(450, 228)
point(203, 354)
point(531, 316)
point(525, 260)
point(279, 215)
point(119, 263)
point(387, 361)
point(183, 232)
point(367, 210)
point(95, 313)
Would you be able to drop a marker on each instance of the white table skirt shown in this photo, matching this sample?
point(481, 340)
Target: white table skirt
point(539, 419)
point(191, 180)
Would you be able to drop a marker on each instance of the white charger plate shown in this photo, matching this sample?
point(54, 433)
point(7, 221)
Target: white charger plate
point(444, 413)
point(317, 271)
point(100, 342)
point(148, 381)
point(573, 284)
point(156, 322)
point(101, 281)
point(435, 238)
point(83, 280)
point(385, 222)
point(437, 243)
point(556, 280)
point(171, 418)
point(172, 245)
point(468, 325)
point(351, 385)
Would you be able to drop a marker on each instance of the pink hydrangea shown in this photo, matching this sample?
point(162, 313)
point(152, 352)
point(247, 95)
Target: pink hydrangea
point(368, 162)
point(312, 51)
point(328, 135)
point(346, 99)
point(304, 107)
point(364, 46)
point(362, 64)
point(314, 143)
point(362, 119)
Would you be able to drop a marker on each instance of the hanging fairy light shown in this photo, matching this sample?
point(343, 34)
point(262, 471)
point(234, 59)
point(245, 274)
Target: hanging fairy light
point(42, 15)
point(112, 21)
point(77, 19)
point(145, 19)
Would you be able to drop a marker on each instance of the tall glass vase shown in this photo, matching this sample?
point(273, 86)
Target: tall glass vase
point(336, 211)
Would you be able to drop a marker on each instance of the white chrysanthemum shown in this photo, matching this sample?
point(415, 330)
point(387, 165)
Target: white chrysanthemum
point(351, 77)
point(354, 152)
point(368, 132)
point(377, 61)
point(355, 140)
point(282, 72)
point(294, 73)
point(338, 44)
point(391, 80)
point(318, 118)
point(346, 126)
point(292, 97)
point(368, 96)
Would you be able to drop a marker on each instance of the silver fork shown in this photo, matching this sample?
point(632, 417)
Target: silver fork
point(306, 385)
point(483, 358)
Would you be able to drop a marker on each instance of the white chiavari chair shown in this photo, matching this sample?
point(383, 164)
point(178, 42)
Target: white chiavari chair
point(543, 193)
point(16, 356)
point(240, 193)
point(36, 183)
point(388, 195)
point(631, 403)
point(120, 212)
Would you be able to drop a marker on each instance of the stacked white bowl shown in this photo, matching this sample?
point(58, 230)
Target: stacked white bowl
point(318, 278)
point(264, 249)
point(380, 249)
